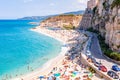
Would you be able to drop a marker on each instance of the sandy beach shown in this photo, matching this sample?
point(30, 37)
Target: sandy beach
point(47, 67)
point(67, 37)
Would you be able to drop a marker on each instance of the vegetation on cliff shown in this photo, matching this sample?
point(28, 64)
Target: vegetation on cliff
point(105, 48)
point(106, 22)
point(68, 27)
point(63, 21)
point(62, 17)
point(116, 3)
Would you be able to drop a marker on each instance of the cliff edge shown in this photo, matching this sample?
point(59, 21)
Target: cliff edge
point(104, 16)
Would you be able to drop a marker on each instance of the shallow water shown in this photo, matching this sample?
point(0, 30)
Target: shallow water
point(22, 50)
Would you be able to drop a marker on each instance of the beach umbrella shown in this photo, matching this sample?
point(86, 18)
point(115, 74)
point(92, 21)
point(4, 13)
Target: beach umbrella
point(73, 75)
point(57, 74)
point(90, 75)
point(41, 77)
point(76, 72)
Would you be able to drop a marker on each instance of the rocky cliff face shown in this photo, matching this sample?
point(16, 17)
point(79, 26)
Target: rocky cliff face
point(107, 21)
point(61, 20)
point(86, 20)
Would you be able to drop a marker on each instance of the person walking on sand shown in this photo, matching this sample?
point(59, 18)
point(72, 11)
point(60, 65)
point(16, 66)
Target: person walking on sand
point(100, 61)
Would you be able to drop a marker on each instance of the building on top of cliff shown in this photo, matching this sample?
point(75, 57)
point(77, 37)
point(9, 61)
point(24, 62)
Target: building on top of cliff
point(87, 17)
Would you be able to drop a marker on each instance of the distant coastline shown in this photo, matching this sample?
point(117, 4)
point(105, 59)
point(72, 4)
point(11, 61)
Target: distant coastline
point(81, 12)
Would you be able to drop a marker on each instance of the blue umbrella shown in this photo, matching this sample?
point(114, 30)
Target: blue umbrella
point(76, 72)
point(41, 77)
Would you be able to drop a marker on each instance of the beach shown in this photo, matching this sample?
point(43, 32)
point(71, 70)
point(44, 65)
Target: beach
point(70, 39)
point(47, 67)
point(50, 64)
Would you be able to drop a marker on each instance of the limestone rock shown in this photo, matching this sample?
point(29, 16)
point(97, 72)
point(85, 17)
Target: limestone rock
point(105, 20)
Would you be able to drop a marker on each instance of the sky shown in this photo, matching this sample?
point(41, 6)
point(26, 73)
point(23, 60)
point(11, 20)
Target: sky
point(12, 9)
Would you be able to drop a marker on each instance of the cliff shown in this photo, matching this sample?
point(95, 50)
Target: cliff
point(104, 17)
point(62, 21)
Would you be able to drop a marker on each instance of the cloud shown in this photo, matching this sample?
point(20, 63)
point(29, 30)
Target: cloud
point(82, 1)
point(52, 4)
point(26, 1)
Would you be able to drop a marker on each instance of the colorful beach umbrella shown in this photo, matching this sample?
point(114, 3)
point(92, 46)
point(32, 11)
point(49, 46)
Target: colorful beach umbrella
point(41, 77)
point(73, 75)
point(57, 74)
point(90, 75)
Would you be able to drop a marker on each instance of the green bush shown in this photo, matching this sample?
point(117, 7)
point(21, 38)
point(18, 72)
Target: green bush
point(107, 51)
point(94, 9)
point(67, 15)
point(71, 15)
point(115, 55)
point(68, 27)
point(104, 5)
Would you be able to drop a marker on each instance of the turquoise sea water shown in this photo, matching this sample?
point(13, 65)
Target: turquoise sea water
point(22, 50)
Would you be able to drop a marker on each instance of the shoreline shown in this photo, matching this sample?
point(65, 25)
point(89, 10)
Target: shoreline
point(50, 63)
point(45, 69)
point(40, 30)
point(71, 39)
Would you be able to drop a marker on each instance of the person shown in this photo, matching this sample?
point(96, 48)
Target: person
point(49, 78)
point(98, 67)
point(100, 61)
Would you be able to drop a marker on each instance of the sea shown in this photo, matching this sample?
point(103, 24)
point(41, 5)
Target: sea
point(22, 50)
